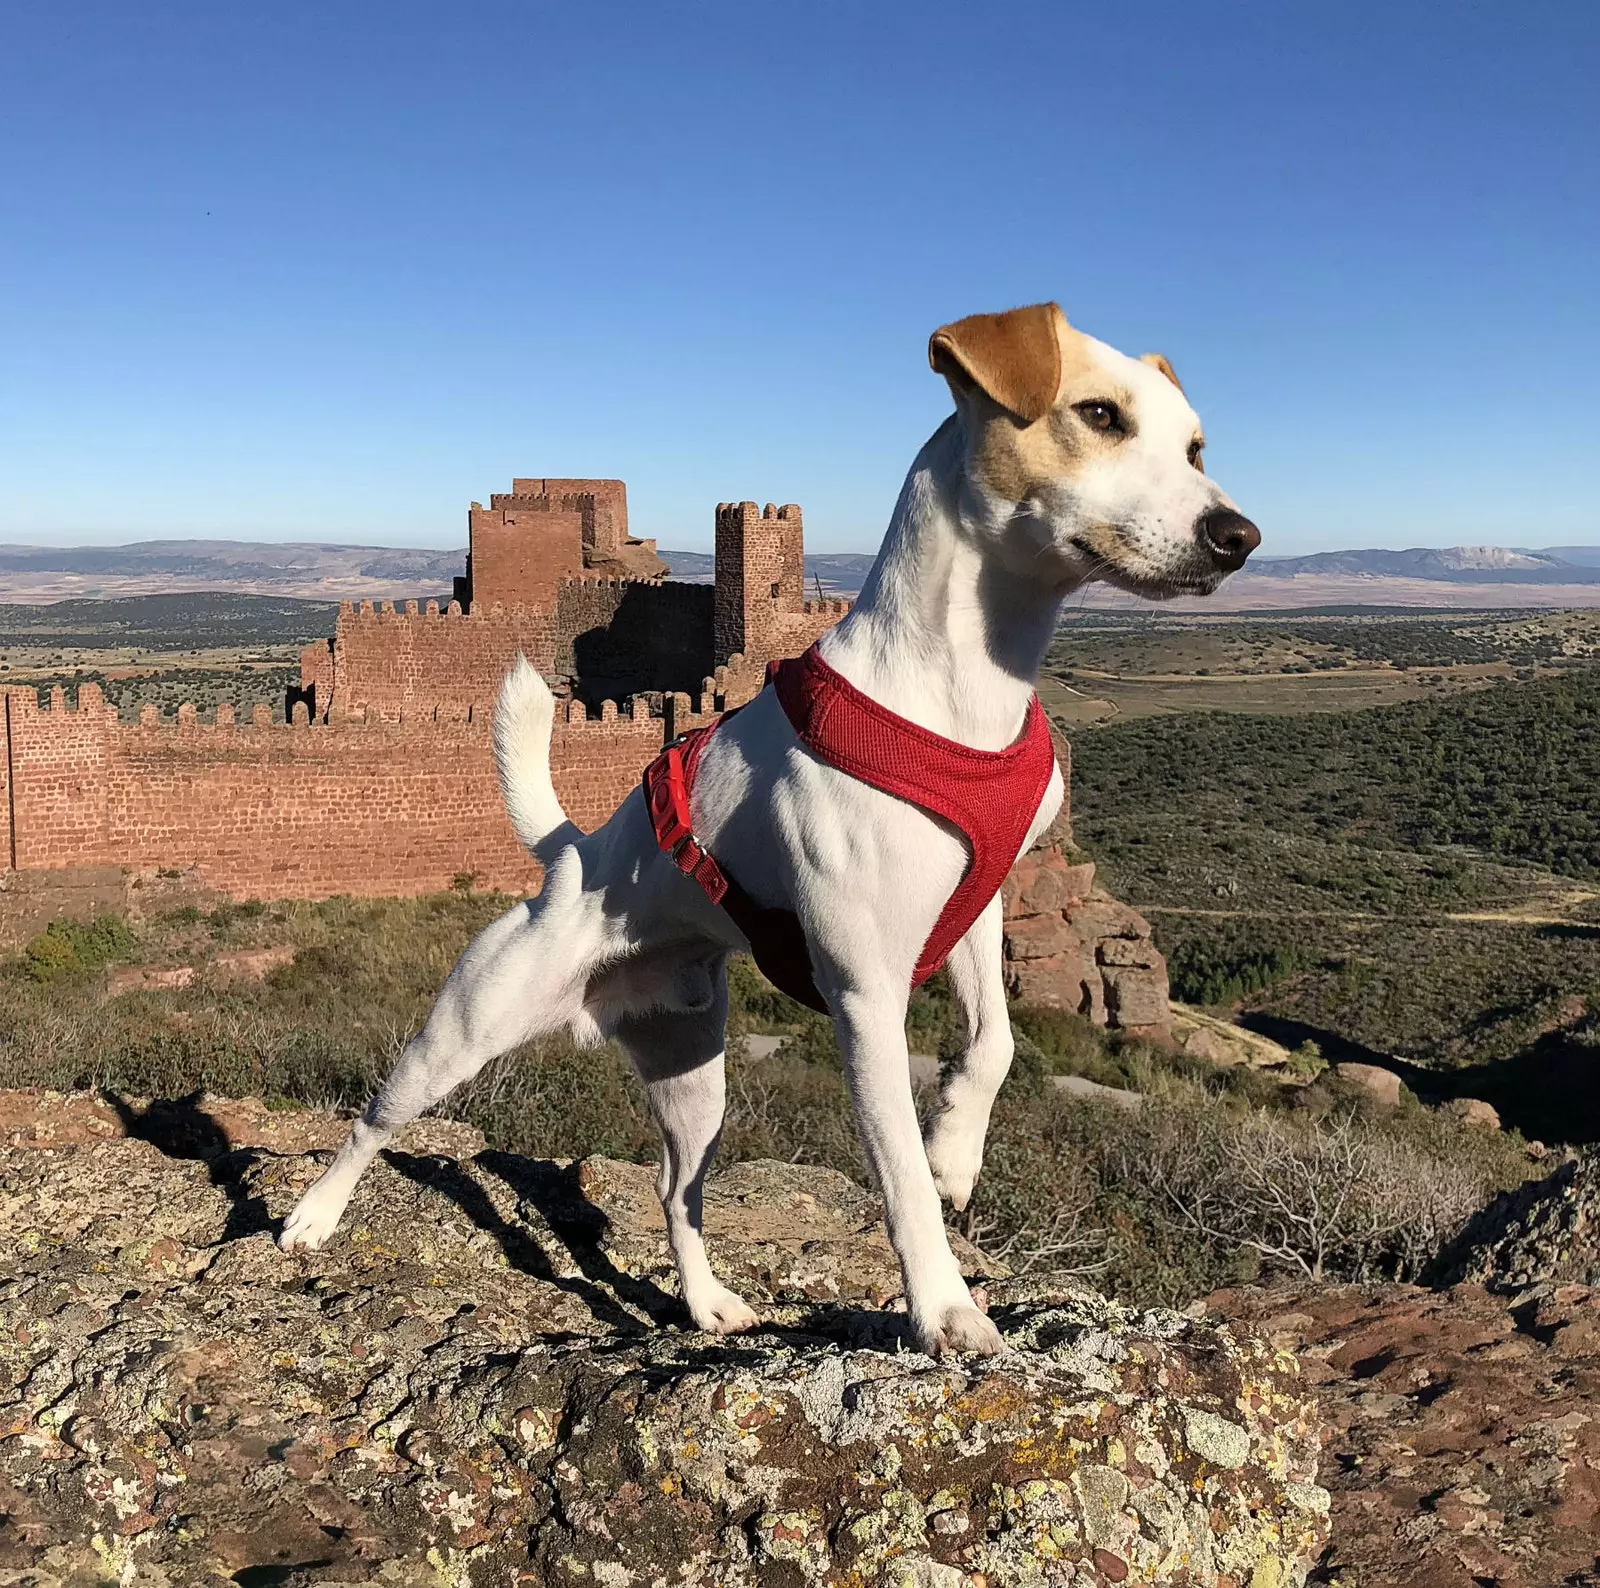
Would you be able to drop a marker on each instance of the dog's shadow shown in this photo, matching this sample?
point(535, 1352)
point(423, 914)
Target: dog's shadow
point(181, 1128)
point(552, 1193)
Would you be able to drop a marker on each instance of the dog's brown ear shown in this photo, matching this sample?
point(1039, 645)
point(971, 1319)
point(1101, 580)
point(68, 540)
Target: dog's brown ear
point(1014, 357)
point(1159, 361)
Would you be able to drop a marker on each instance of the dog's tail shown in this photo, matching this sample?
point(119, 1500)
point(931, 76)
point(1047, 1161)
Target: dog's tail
point(523, 719)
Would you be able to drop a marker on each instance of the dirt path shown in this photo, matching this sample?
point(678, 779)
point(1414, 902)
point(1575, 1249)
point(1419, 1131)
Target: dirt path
point(1522, 915)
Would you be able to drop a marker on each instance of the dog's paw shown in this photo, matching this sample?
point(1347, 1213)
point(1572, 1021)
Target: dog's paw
point(958, 1330)
point(955, 1155)
point(720, 1311)
point(309, 1224)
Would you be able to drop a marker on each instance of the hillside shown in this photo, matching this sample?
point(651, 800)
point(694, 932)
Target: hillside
point(1455, 564)
point(1414, 886)
point(1459, 576)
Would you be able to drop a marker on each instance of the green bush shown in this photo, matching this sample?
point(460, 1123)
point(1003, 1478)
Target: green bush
point(1207, 972)
point(66, 948)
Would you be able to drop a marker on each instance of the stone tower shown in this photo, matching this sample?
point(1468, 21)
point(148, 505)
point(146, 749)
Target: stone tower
point(760, 578)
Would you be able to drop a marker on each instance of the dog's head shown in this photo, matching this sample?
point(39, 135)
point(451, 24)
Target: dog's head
point(1083, 463)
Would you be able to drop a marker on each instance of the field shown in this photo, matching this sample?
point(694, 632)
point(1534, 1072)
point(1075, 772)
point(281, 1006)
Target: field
point(1416, 883)
point(164, 650)
point(1107, 666)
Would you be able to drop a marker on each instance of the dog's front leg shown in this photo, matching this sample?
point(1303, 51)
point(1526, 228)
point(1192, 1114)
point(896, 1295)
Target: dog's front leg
point(957, 1131)
point(872, 1033)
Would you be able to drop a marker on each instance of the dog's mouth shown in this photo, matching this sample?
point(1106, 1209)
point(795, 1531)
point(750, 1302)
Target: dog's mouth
point(1115, 565)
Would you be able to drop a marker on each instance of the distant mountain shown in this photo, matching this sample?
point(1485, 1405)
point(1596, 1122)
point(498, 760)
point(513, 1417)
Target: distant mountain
point(1450, 564)
point(290, 568)
point(1580, 556)
point(1455, 575)
point(232, 559)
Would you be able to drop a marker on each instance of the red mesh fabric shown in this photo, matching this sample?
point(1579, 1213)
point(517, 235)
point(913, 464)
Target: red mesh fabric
point(990, 796)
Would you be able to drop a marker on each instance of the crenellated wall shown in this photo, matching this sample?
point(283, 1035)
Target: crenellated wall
point(408, 663)
point(621, 637)
point(266, 809)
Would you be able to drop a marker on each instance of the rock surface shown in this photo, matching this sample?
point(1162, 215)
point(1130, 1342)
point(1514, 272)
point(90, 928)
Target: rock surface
point(484, 1379)
point(1463, 1442)
point(1381, 1085)
point(1220, 1042)
point(1070, 945)
point(1545, 1232)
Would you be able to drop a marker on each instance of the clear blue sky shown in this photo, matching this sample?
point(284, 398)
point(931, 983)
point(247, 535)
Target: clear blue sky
point(329, 270)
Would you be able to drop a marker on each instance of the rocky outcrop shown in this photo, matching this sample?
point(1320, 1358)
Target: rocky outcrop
point(1463, 1429)
point(485, 1379)
point(1070, 945)
point(1220, 1042)
point(1546, 1232)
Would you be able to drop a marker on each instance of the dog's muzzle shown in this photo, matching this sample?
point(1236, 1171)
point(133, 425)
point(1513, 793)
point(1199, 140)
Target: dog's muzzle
point(1227, 537)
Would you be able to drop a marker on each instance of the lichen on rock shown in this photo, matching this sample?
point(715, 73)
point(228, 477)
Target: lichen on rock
point(485, 1378)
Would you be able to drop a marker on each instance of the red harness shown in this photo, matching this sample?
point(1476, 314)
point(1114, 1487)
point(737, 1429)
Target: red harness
point(990, 796)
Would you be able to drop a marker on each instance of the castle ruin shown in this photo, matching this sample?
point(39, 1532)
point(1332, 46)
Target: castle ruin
point(552, 572)
point(381, 780)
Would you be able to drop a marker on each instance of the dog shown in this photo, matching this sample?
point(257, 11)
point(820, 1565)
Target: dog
point(1064, 462)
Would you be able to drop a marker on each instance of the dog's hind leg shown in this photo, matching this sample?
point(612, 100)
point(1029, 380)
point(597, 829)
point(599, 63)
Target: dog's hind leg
point(523, 975)
point(678, 1053)
point(956, 1133)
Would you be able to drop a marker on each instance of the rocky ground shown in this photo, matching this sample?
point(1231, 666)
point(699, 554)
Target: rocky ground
point(1461, 1429)
point(486, 1379)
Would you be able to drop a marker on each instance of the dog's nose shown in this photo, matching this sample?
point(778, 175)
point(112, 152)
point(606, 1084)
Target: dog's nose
point(1230, 537)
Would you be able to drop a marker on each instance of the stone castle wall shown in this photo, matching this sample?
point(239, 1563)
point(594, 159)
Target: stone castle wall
point(383, 782)
point(266, 809)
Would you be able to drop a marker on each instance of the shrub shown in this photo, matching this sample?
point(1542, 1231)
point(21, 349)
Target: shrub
point(1202, 971)
point(66, 948)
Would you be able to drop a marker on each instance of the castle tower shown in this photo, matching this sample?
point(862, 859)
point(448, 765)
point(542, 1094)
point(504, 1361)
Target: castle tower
point(760, 578)
point(542, 531)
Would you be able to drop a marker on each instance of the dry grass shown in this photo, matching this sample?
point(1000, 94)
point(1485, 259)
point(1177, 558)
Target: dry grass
point(1212, 1181)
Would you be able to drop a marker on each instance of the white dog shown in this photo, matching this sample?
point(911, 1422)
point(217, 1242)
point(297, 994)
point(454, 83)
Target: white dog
point(1065, 461)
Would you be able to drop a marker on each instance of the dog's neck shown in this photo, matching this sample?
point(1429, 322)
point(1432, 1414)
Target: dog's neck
point(942, 634)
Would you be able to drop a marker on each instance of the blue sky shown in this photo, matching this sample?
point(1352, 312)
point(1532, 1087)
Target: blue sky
point(329, 270)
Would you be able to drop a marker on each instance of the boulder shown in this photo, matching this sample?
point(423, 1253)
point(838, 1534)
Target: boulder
point(1136, 997)
point(1204, 1043)
point(1061, 981)
point(1039, 937)
point(1546, 1232)
point(1131, 951)
point(486, 1378)
point(1381, 1085)
point(1046, 880)
point(1220, 1042)
point(1474, 1111)
point(1101, 916)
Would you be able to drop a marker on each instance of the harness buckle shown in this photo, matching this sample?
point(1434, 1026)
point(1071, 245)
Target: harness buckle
point(669, 815)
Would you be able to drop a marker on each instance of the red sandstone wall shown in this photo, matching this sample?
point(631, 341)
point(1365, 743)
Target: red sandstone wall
point(270, 811)
point(409, 664)
point(519, 555)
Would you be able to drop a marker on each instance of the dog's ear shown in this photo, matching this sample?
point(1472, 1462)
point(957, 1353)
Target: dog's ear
point(1014, 358)
point(1159, 361)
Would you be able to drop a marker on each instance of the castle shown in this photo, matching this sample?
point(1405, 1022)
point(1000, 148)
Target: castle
point(380, 779)
point(553, 573)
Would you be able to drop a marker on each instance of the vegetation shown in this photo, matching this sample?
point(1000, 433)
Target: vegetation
point(200, 620)
point(1141, 1200)
point(1510, 771)
point(166, 687)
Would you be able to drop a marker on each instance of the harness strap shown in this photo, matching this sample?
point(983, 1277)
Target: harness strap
point(775, 935)
point(989, 796)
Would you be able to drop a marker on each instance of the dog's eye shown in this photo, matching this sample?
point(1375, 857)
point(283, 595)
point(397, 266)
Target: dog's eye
point(1106, 417)
point(1196, 447)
